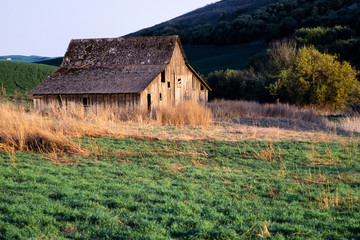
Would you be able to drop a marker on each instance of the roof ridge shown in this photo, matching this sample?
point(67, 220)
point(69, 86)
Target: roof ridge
point(127, 37)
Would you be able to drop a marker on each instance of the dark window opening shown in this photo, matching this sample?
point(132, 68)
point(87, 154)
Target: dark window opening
point(149, 102)
point(179, 81)
point(163, 76)
point(60, 101)
point(160, 97)
point(168, 84)
point(193, 82)
point(202, 87)
point(86, 102)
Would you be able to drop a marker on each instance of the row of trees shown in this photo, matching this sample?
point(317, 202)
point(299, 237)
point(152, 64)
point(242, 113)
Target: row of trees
point(302, 76)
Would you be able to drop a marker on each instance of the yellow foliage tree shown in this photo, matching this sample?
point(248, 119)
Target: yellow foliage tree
point(318, 79)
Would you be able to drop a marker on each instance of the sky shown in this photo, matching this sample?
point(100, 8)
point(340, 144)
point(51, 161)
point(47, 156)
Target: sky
point(45, 27)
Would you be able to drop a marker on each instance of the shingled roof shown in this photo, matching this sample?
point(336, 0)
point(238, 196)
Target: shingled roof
point(111, 65)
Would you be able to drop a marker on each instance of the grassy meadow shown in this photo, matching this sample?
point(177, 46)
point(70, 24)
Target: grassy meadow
point(147, 189)
point(247, 171)
point(20, 77)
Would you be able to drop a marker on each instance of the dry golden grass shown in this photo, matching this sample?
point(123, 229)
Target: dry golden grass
point(227, 109)
point(328, 199)
point(186, 113)
point(351, 124)
point(24, 131)
point(52, 132)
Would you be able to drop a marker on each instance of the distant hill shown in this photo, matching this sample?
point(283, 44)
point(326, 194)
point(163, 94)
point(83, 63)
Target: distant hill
point(21, 76)
point(22, 58)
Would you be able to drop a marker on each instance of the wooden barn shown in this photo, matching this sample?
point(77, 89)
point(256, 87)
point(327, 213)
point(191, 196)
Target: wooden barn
point(146, 72)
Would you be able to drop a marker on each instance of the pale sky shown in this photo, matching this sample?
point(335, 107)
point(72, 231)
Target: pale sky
point(45, 27)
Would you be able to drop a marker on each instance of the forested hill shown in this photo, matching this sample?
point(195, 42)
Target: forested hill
point(226, 10)
point(243, 21)
point(332, 26)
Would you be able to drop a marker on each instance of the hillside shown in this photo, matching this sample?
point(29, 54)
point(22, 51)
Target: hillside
point(236, 21)
point(208, 58)
point(21, 76)
point(225, 10)
point(52, 62)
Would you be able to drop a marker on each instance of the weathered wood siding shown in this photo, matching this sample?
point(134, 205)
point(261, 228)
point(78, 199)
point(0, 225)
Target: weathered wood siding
point(93, 101)
point(181, 84)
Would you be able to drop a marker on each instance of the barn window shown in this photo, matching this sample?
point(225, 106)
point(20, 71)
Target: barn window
point(86, 102)
point(160, 97)
point(163, 76)
point(179, 81)
point(168, 84)
point(193, 82)
point(202, 87)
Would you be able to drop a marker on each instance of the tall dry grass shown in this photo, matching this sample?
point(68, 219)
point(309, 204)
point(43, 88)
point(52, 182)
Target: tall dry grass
point(227, 109)
point(183, 114)
point(350, 123)
point(52, 131)
point(186, 113)
point(20, 130)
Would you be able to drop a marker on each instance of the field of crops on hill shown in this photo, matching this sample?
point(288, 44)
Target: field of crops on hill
point(21, 76)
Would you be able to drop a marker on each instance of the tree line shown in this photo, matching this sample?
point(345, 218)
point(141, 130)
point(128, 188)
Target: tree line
point(294, 74)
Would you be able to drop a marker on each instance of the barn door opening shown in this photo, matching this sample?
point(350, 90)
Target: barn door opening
point(149, 102)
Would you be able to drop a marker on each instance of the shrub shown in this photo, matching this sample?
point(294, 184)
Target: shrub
point(237, 84)
point(317, 79)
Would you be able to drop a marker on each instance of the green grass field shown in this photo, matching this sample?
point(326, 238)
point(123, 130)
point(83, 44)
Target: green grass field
point(22, 77)
point(206, 59)
point(144, 189)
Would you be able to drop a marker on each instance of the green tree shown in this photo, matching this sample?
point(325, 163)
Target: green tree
point(317, 79)
point(237, 84)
